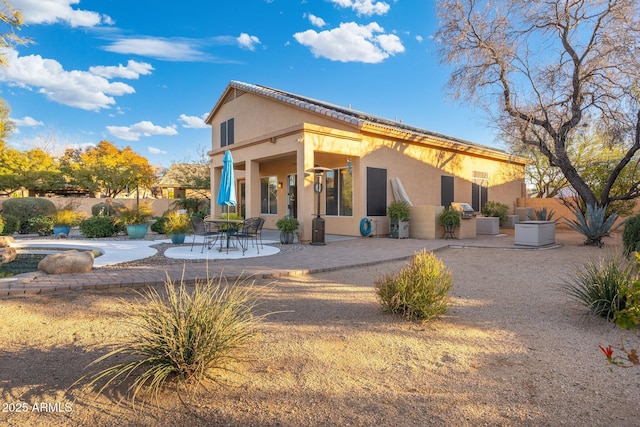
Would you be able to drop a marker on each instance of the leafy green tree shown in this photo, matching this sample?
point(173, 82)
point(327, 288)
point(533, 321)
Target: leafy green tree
point(107, 169)
point(12, 18)
point(546, 70)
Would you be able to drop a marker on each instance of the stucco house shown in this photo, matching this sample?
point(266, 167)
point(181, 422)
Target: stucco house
point(276, 137)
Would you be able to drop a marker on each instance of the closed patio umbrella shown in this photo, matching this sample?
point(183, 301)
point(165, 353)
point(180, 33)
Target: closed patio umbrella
point(227, 189)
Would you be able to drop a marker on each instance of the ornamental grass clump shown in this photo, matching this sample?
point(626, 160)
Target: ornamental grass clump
point(602, 285)
point(184, 337)
point(419, 291)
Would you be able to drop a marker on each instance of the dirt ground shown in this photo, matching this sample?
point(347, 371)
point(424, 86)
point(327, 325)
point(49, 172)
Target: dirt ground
point(512, 350)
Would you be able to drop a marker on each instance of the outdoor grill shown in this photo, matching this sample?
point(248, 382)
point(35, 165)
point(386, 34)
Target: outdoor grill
point(465, 209)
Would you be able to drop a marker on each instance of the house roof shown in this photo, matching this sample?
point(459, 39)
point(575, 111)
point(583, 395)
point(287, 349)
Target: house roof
point(178, 175)
point(352, 117)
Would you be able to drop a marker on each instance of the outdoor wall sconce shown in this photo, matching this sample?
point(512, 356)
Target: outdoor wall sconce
point(280, 185)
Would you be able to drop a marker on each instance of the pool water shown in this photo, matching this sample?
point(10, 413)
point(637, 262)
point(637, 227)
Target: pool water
point(27, 262)
point(24, 263)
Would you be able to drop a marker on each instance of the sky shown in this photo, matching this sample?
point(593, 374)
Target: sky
point(145, 73)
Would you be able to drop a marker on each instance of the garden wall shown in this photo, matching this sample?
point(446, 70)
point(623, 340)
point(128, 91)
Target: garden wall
point(82, 204)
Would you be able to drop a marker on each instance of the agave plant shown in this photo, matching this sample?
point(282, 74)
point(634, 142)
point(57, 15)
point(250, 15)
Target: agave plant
point(594, 225)
point(542, 215)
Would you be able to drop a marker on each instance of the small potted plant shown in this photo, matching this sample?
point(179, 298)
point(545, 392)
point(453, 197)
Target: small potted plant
point(63, 219)
point(450, 219)
point(177, 225)
point(398, 211)
point(135, 219)
point(495, 215)
point(287, 225)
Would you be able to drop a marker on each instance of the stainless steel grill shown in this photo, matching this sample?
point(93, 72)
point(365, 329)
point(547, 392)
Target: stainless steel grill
point(465, 209)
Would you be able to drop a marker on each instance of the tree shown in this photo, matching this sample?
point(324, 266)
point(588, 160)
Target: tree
point(13, 19)
point(107, 169)
point(547, 70)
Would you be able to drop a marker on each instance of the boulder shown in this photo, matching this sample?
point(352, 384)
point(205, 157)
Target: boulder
point(7, 254)
point(6, 241)
point(67, 262)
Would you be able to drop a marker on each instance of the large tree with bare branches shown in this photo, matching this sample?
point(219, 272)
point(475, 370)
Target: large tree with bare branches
point(548, 71)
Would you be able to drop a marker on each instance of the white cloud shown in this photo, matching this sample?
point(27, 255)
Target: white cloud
point(154, 150)
point(27, 121)
point(53, 11)
point(133, 70)
point(246, 41)
point(420, 39)
point(316, 21)
point(364, 7)
point(140, 129)
point(75, 88)
point(194, 122)
point(165, 49)
point(351, 42)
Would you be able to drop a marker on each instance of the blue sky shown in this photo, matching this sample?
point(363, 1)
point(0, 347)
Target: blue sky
point(144, 73)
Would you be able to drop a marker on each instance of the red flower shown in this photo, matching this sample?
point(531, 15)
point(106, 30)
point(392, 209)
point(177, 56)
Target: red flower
point(608, 351)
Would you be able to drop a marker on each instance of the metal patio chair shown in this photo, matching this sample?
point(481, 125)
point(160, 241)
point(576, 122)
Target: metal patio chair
point(250, 232)
point(208, 233)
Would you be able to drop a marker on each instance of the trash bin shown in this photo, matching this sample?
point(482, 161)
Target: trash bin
point(317, 231)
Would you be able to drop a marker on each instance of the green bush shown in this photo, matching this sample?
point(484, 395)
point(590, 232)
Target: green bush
point(42, 225)
point(25, 208)
point(184, 337)
point(601, 285)
point(11, 225)
point(1, 225)
point(418, 291)
point(158, 226)
point(496, 209)
point(106, 208)
point(99, 226)
point(631, 235)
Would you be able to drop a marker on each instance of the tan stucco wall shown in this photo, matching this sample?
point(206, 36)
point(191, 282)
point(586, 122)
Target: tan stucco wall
point(274, 139)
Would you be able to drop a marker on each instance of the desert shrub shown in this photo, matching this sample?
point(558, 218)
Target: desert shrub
point(419, 291)
point(99, 226)
point(496, 209)
point(42, 225)
point(185, 337)
point(158, 226)
point(601, 285)
point(11, 225)
point(631, 235)
point(105, 208)
point(25, 208)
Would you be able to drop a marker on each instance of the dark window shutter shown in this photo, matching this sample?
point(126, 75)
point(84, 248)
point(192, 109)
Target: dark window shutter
point(230, 132)
point(376, 192)
point(446, 190)
point(223, 134)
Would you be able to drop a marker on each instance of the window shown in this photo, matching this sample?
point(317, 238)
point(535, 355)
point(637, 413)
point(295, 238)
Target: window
point(339, 193)
point(226, 133)
point(269, 195)
point(479, 189)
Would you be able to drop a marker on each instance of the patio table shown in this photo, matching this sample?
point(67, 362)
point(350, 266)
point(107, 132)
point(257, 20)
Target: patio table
point(228, 226)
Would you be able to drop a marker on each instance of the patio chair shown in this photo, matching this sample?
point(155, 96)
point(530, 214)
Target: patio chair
point(262, 221)
point(201, 228)
point(250, 232)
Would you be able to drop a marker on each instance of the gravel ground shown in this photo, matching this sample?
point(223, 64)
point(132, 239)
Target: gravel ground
point(512, 350)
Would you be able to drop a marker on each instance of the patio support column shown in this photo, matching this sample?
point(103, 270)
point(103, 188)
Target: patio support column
point(306, 196)
point(216, 174)
point(252, 189)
